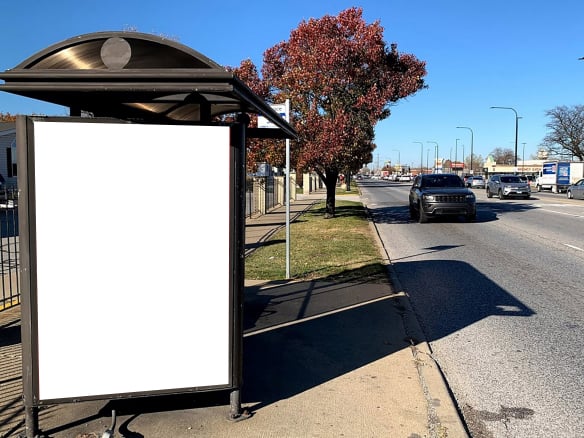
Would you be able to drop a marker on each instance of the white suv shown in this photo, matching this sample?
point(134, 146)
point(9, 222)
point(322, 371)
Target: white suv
point(505, 186)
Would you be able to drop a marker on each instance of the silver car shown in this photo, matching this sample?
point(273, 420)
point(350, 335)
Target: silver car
point(576, 190)
point(505, 186)
point(477, 182)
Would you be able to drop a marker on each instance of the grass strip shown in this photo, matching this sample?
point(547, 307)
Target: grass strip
point(339, 249)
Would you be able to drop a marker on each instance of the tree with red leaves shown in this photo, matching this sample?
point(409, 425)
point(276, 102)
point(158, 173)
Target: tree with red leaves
point(341, 79)
point(259, 150)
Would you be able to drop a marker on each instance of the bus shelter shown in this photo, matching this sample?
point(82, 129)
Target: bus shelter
point(121, 255)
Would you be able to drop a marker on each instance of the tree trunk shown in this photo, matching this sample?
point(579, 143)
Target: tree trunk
point(330, 182)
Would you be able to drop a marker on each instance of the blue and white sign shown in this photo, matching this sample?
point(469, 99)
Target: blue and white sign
point(263, 122)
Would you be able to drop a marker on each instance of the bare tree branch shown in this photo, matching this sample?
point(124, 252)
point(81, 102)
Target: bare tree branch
point(565, 137)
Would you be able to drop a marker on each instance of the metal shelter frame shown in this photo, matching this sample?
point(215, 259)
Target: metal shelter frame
point(137, 77)
point(146, 79)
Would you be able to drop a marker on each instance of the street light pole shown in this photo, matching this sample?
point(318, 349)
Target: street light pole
point(516, 128)
point(456, 155)
point(436, 150)
point(471, 146)
point(398, 160)
point(421, 155)
point(427, 157)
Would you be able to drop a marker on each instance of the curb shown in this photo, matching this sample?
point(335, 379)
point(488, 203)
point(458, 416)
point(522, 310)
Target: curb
point(444, 417)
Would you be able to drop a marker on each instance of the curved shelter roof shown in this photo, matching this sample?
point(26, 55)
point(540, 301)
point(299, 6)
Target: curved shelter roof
point(138, 77)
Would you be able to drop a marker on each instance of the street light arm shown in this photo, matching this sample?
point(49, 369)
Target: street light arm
point(471, 147)
point(505, 107)
point(516, 128)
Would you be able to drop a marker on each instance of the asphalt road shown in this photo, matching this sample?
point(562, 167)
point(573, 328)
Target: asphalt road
point(501, 302)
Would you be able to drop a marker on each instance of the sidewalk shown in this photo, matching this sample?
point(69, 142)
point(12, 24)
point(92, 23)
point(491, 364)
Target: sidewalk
point(320, 360)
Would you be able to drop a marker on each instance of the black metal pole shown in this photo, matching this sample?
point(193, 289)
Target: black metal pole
point(238, 133)
point(31, 421)
point(471, 146)
point(516, 137)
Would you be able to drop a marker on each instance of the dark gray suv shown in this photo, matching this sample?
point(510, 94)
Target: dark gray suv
point(440, 194)
point(506, 186)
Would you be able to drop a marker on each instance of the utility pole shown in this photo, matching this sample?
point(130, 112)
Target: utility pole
point(523, 159)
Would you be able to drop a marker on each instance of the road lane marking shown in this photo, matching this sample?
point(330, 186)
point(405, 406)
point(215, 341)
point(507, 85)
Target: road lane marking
point(573, 247)
point(563, 212)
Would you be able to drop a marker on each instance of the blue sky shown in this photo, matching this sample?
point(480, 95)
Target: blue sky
point(510, 53)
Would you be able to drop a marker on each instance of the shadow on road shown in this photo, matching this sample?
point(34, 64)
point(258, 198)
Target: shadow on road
point(451, 295)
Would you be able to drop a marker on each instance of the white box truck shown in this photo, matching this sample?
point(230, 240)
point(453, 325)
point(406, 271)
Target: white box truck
point(576, 171)
point(557, 175)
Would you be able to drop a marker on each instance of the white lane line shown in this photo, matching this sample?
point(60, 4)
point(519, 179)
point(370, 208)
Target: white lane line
point(573, 247)
point(562, 212)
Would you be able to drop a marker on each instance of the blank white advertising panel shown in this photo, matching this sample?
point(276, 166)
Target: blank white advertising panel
point(132, 257)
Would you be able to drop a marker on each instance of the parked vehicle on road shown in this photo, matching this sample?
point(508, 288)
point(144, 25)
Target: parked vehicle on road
point(405, 178)
point(576, 190)
point(439, 194)
point(506, 186)
point(476, 182)
point(529, 179)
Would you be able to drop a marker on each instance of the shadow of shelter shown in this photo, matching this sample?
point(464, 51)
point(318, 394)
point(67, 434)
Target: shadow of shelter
point(302, 334)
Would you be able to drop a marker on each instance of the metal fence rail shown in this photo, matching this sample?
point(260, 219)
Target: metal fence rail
point(263, 193)
point(9, 249)
point(251, 206)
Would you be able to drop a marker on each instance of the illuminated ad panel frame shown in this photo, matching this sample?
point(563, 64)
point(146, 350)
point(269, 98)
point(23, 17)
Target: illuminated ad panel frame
point(127, 259)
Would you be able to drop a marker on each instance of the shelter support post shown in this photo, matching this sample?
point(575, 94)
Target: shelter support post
point(238, 136)
point(31, 421)
point(235, 404)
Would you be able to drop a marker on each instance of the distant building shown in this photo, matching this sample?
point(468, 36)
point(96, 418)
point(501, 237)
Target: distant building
point(528, 167)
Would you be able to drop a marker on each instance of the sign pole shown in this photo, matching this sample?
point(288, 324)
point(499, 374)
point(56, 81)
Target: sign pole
point(284, 111)
point(287, 194)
